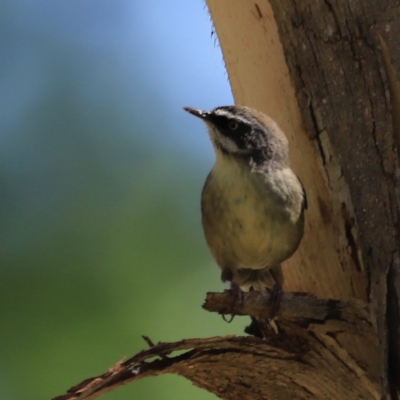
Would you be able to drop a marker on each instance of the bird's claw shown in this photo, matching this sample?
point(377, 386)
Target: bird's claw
point(237, 294)
point(276, 294)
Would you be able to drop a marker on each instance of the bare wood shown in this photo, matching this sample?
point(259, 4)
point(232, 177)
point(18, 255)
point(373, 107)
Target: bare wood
point(259, 77)
point(301, 309)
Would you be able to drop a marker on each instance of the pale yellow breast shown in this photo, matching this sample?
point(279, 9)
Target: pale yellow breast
point(247, 223)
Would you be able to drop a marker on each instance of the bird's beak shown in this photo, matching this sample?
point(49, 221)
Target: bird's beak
point(197, 112)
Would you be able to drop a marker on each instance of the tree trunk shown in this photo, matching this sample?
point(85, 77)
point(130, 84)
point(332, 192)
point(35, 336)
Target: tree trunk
point(327, 72)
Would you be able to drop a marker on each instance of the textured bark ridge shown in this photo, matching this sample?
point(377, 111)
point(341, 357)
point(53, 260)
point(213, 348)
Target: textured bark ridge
point(344, 61)
point(304, 361)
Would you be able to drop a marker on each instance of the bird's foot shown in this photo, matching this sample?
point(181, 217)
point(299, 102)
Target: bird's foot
point(237, 294)
point(276, 294)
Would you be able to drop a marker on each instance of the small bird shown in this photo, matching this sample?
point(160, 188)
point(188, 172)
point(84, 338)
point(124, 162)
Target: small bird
point(252, 203)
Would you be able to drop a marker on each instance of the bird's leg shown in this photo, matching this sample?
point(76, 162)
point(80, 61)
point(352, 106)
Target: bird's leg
point(237, 293)
point(276, 292)
point(265, 327)
point(238, 299)
point(227, 277)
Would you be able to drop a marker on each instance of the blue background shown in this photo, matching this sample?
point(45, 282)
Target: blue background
point(100, 179)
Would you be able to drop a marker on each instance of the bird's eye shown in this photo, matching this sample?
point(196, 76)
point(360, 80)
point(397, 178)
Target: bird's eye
point(233, 125)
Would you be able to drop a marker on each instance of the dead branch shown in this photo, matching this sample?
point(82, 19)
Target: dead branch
point(308, 349)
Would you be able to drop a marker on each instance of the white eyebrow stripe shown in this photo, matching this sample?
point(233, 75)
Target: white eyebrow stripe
point(223, 113)
point(228, 114)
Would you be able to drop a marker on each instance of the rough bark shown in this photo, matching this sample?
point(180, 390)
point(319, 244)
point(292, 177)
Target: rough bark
point(344, 61)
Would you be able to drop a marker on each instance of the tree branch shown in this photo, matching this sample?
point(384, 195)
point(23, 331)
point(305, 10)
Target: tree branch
point(298, 308)
point(303, 360)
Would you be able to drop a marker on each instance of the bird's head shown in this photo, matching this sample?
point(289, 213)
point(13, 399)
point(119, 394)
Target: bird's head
point(243, 132)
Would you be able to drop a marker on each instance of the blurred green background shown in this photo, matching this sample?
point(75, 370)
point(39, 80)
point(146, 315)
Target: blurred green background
point(100, 180)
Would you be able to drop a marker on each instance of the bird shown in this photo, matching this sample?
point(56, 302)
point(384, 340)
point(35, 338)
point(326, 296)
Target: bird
point(252, 203)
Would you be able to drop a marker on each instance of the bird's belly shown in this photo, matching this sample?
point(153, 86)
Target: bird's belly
point(248, 232)
point(250, 235)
